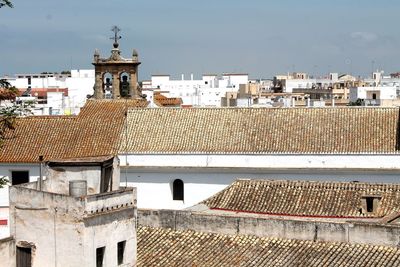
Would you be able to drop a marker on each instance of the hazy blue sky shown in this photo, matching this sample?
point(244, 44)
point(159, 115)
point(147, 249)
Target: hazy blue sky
point(259, 37)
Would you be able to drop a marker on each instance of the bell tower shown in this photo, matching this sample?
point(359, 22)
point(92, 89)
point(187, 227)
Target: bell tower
point(116, 77)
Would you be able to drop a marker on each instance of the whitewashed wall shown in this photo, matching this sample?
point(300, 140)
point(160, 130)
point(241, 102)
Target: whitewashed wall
point(155, 186)
point(5, 170)
point(205, 175)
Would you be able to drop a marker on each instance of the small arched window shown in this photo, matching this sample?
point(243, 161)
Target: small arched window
point(177, 190)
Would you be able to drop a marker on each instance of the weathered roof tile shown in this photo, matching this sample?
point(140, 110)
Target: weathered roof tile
point(306, 198)
point(261, 130)
point(95, 132)
point(169, 248)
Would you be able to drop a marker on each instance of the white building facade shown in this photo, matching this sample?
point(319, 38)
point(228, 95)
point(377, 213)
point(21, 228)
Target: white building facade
point(205, 175)
point(206, 92)
point(76, 86)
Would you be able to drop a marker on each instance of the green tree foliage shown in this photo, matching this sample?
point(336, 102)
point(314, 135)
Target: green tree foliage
point(3, 181)
point(6, 3)
point(358, 102)
point(8, 114)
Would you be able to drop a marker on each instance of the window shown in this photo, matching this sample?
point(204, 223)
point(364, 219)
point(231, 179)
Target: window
point(121, 252)
point(373, 96)
point(370, 204)
point(177, 190)
point(19, 177)
point(24, 257)
point(100, 256)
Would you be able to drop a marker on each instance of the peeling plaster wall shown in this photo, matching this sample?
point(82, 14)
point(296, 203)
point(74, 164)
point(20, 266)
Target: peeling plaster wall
point(106, 231)
point(49, 222)
point(360, 233)
point(63, 233)
point(61, 176)
point(7, 252)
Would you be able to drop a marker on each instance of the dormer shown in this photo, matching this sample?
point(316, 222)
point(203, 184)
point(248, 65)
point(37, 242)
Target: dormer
point(370, 203)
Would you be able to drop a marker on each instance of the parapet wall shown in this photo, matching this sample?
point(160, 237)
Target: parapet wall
point(358, 233)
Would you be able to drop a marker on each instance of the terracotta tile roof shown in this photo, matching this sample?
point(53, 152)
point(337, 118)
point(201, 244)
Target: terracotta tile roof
point(35, 136)
point(99, 130)
point(306, 198)
point(95, 132)
point(261, 130)
point(163, 101)
point(42, 92)
point(168, 248)
point(99, 126)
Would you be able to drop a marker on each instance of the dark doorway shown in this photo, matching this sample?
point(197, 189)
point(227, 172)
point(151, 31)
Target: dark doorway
point(24, 257)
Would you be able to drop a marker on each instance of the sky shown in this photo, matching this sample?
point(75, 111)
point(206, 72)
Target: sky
point(259, 37)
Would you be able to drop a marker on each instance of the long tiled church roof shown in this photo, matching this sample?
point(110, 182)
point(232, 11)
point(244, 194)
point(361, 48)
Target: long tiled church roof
point(100, 130)
point(261, 130)
point(305, 198)
point(168, 248)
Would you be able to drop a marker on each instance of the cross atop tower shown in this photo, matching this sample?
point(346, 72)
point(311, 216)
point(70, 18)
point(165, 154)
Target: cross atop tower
point(116, 37)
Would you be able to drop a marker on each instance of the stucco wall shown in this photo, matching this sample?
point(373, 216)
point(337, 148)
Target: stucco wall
point(50, 223)
point(268, 161)
point(205, 175)
point(5, 170)
point(106, 231)
point(155, 185)
point(362, 233)
point(61, 176)
point(66, 231)
point(7, 252)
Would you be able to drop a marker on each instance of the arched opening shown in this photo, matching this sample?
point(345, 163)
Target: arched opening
point(107, 85)
point(124, 84)
point(177, 190)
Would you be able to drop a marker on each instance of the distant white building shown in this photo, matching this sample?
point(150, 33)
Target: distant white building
point(377, 91)
point(53, 93)
point(206, 92)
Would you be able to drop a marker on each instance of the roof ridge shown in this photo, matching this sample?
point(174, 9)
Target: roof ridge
point(316, 182)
